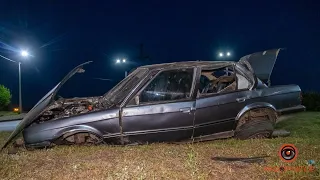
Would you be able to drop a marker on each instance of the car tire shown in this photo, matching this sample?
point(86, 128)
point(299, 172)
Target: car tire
point(255, 129)
point(80, 138)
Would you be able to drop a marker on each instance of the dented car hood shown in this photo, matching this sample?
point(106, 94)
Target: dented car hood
point(42, 104)
point(261, 63)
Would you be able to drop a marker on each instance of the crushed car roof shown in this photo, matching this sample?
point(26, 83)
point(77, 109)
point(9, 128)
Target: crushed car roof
point(210, 64)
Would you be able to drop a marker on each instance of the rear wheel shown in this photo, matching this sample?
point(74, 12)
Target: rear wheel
point(255, 129)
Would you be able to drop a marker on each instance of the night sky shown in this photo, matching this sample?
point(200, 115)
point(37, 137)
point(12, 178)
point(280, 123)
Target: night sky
point(63, 35)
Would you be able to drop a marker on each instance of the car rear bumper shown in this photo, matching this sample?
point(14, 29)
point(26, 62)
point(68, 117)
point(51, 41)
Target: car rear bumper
point(290, 110)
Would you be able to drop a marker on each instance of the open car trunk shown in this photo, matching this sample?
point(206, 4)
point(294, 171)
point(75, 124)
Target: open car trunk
point(261, 63)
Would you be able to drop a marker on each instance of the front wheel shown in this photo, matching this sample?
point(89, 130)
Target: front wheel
point(255, 129)
point(81, 138)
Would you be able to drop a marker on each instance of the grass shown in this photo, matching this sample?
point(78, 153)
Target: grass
point(10, 115)
point(7, 113)
point(170, 161)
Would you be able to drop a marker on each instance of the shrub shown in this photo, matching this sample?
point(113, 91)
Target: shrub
point(5, 97)
point(311, 100)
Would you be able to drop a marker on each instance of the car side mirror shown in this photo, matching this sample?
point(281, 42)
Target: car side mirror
point(80, 70)
point(137, 100)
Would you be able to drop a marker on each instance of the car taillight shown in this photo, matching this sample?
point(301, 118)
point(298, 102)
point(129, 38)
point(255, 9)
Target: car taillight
point(301, 97)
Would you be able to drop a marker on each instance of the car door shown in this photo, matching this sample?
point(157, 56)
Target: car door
point(163, 110)
point(217, 112)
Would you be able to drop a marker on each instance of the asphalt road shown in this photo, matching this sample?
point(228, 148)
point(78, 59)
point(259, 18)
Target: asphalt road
point(8, 125)
point(12, 117)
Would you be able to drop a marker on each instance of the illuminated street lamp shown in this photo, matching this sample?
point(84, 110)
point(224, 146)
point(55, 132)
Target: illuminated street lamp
point(224, 54)
point(118, 61)
point(24, 54)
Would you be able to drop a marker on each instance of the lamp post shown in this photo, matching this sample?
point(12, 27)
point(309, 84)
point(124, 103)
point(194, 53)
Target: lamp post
point(20, 96)
point(224, 55)
point(25, 54)
point(119, 61)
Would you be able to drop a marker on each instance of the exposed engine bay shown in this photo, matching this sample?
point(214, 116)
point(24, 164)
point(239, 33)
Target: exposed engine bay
point(69, 107)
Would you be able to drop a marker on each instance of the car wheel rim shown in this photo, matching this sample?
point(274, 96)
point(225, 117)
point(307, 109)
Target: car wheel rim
point(82, 139)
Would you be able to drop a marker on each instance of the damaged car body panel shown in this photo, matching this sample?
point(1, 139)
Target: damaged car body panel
point(42, 104)
point(98, 116)
point(194, 100)
point(96, 123)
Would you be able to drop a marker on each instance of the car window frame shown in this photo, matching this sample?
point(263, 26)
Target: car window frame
point(247, 73)
point(121, 102)
point(221, 93)
point(152, 77)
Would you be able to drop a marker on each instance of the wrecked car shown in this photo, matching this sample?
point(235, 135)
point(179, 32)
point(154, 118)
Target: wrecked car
point(180, 101)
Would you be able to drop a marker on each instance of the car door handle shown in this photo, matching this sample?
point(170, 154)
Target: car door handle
point(185, 110)
point(243, 99)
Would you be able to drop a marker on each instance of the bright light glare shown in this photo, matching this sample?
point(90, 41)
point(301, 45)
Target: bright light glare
point(123, 60)
point(221, 54)
point(24, 53)
point(228, 54)
point(118, 61)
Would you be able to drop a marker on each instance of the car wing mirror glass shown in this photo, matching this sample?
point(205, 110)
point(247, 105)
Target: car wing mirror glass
point(137, 100)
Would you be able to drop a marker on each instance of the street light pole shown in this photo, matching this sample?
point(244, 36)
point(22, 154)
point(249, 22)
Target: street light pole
point(20, 97)
point(23, 54)
point(222, 55)
point(118, 61)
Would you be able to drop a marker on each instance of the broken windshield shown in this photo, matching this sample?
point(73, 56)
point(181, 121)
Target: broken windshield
point(123, 88)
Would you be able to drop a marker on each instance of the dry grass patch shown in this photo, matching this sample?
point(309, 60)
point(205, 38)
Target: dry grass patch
point(169, 161)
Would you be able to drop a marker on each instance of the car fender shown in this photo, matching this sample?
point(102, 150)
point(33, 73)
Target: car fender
point(254, 106)
point(77, 129)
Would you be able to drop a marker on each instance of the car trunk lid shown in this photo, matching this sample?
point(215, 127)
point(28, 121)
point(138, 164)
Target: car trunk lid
point(261, 63)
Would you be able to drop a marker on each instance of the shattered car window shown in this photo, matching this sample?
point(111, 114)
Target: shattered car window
point(217, 81)
point(168, 85)
point(122, 89)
